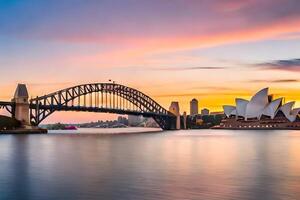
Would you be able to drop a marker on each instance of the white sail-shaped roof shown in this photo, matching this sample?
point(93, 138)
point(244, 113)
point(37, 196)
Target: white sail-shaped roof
point(257, 104)
point(290, 114)
point(241, 105)
point(233, 112)
point(295, 111)
point(228, 110)
point(271, 109)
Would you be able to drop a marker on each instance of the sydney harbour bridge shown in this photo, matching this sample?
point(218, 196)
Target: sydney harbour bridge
point(95, 97)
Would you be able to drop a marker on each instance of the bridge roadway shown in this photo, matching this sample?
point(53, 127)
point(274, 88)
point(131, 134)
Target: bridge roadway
point(97, 109)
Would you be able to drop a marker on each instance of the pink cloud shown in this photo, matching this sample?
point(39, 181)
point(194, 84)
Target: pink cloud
point(234, 5)
point(139, 48)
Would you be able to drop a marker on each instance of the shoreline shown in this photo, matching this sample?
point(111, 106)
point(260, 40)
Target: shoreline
point(267, 129)
point(107, 131)
point(24, 131)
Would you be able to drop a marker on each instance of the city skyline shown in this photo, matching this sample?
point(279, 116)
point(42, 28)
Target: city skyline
point(209, 50)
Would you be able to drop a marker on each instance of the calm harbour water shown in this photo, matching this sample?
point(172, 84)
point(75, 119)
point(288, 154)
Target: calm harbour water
point(171, 165)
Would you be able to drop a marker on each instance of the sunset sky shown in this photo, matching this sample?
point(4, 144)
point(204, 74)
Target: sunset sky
point(172, 50)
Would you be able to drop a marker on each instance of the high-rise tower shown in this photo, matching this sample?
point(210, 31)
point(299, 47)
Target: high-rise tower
point(194, 107)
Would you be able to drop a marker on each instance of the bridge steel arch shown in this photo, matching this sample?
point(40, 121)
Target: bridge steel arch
point(8, 106)
point(103, 97)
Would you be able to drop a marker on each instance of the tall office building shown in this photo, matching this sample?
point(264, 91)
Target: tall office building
point(194, 107)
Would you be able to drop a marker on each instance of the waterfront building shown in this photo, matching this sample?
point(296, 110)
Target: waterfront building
point(217, 113)
point(199, 121)
point(122, 120)
point(204, 111)
point(261, 111)
point(134, 120)
point(194, 107)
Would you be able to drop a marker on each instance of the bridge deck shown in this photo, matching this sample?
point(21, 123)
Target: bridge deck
point(97, 109)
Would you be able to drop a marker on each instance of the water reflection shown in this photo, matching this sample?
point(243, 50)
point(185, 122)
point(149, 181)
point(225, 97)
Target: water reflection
point(15, 182)
point(197, 164)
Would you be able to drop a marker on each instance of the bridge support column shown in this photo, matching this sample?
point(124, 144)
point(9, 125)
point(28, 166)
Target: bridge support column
point(174, 109)
point(21, 110)
point(184, 117)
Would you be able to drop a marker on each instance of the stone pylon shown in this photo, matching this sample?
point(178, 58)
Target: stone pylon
point(174, 109)
point(21, 104)
point(184, 120)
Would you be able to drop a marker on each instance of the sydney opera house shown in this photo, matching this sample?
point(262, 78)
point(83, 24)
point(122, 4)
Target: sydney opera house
point(261, 112)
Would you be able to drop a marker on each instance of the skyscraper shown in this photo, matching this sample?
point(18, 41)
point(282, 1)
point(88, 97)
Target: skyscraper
point(194, 107)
